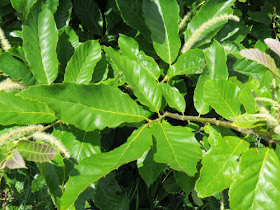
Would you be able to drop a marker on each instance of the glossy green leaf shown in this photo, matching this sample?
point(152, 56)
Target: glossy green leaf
point(63, 13)
point(261, 58)
point(130, 48)
point(131, 12)
point(52, 5)
point(216, 60)
point(144, 86)
point(249, 68)
point(17, 110)
point(222, 95)
point(173, 97)
point(81, 66)
point(186, 182)
point(247, 121)
point(36, 152)
point(39, 43)
point(23, 6)
point(191, 62)
point(177, 147)
point(247, 98)
point(273, 44)
point(16, 69)
point(89, 15)
point(94, 106)
point(108, 194)
point(148, 169)
point(80, 144)
point(54, 175)
point(256, 185)
point(220, 165)
point(214, 134)
point(162, 16)
point(211, 9)
point(93, 168)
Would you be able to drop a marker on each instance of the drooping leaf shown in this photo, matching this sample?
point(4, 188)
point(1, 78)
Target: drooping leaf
point(162, 17)
point(81, 66)
point(130, 48)
point(93, 168)
point(222, 95)
point(177, 147)
point(143, 84)
point(148, 168)
point(54, 175)
point(15, 161)
point(80, 144)
point(220, 165)
point(191, 62)
point(273, 45)
point(94, 106)
point(173, 97)
point(131, 12)
point(216, 60)
point(36, 152)
point(17, 110)
point(108, 194)
point(16, 69)
point(23, 6)
point(90, 16)
point(256, 185)
point(184, 181)
point(209, 10)
point(261, 58)
point(39, 43)
point(63, 13)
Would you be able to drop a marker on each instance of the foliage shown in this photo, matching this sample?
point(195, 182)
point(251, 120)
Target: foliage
point(127, 104)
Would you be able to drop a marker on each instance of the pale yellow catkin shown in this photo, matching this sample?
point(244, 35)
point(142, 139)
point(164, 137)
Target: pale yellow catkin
point(48, 138)
point(19, 132)
point(197, 34)
point(10, 85)
point(4, 42)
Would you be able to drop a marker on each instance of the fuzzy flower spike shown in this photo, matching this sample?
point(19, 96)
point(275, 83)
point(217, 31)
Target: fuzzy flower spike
point(196, 36)
point(4, 42)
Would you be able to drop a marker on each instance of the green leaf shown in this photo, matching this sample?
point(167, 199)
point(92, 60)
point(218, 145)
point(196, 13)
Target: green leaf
point(63, 13)
point(81, 66)
point(80, 144)
point(96, 106)
point(108, 194)
point(214, 134)
point(220, 165)
point(184, 181)
point(36, 152)
point(52, 5)
point(247, 121)
point(93, 168)
point(17, 110)
point(39, 43)
point(148, 169)
point(257, 185)
point(130, 48)
point(213, 8)
point(54, 175)
point(177, 147)
point(247, 98)
point(162, 16)
point(144, 86)
point(89, 15)
point(216, 60)
point(191, 62)
point(261, 58)
point(173, 97)
point(249, 68)
point(222, 95)
point(131, 12)
point(23, 6)
point(16, 69)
